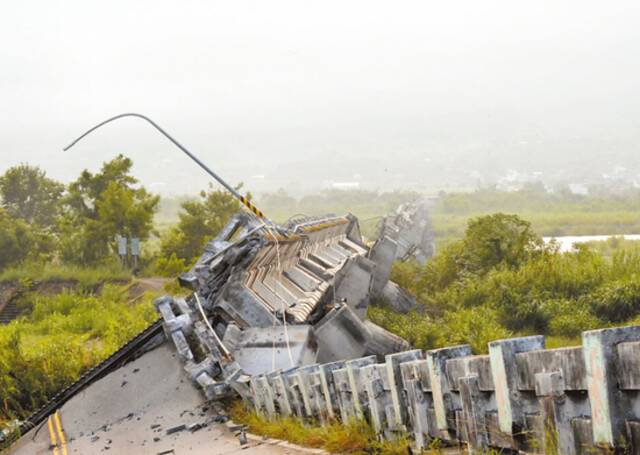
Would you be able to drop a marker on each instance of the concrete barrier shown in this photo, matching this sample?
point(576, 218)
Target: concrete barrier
point(521, 397)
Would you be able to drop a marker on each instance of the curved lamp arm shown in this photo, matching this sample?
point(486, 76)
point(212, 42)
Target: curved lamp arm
point(206, 168)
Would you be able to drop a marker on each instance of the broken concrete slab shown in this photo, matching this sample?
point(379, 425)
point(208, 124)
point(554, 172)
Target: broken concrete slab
point(262, 350)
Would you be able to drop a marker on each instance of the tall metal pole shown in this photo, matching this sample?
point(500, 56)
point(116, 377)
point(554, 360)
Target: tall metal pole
point(248, 204)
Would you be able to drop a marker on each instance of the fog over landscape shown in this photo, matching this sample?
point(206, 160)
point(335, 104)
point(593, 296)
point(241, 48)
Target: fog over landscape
point(300, 95)
point(418, 230)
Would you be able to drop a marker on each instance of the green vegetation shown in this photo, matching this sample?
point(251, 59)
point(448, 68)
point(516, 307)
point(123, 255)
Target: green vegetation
point(364, 203)
point(613, 245)
point(492, 278)
point(199, 221)
point(356, 437)
point(60, 339)
point(85, 277)
point(28, 194)
point(100, 206)
point(555, 213)
point(499, 280)
point(17, 240)
point(43, 221)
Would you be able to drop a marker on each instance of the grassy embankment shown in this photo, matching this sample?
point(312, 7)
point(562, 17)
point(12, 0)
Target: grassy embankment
point(60, 338)
point(85, 277)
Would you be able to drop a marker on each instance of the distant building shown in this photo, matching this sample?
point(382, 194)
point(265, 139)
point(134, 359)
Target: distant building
point(515, 181)
point(578, 188)
point(345, 185)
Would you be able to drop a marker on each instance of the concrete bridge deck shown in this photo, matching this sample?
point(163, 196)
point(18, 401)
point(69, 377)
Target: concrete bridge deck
point(129, 412)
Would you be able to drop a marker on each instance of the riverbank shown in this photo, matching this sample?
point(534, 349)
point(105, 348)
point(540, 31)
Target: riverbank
point(568, 243)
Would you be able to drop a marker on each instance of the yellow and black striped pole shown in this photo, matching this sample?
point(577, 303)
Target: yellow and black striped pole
point(257, 212)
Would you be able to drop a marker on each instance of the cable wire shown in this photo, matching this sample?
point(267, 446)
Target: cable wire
point(225, 351)
point(282, 302)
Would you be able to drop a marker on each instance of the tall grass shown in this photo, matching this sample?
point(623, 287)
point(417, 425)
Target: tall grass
point(84, 276)
point(60, 339)
point(355, 437)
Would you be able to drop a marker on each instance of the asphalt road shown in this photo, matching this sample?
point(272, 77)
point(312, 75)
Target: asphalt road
point(133, 411)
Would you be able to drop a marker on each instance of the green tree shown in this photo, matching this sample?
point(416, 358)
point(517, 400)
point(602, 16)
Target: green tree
point(498, 239)
point(27, 193)
point(16, 240)
point(170, 266)
point(489, 242)
point(200, 220)
point(102, 205)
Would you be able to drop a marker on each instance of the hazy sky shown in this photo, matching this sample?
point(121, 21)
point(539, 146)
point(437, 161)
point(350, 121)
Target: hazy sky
point(283, 93)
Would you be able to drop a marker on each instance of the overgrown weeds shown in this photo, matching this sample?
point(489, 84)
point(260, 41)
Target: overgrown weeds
point(60, 339)
point(355, 437)
point(85, 277)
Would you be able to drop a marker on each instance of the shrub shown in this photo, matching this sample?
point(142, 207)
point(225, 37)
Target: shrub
point(419, 329)
point(200, 221)
point(616, 301)
point(569, 318)
point(171, 266)
point(498, 239)
point(474, 326)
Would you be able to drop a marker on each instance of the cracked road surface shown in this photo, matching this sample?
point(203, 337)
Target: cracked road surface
point(149, 406)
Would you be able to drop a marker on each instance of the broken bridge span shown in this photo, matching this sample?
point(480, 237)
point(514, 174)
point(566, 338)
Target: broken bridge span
point(279, 319)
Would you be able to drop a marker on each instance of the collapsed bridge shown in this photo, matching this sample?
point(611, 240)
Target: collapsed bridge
point(277, 315)
point(281, 321)
point(266, 299)
point(278, 318)
point(260, 299)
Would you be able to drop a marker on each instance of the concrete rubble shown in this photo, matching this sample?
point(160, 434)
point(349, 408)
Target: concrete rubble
point(267, 299)
point(410, 228)
point(280, 321)
point(263, 300)
point(407, 234)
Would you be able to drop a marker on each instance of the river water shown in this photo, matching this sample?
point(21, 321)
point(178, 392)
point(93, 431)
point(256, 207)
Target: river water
point(566, 242)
